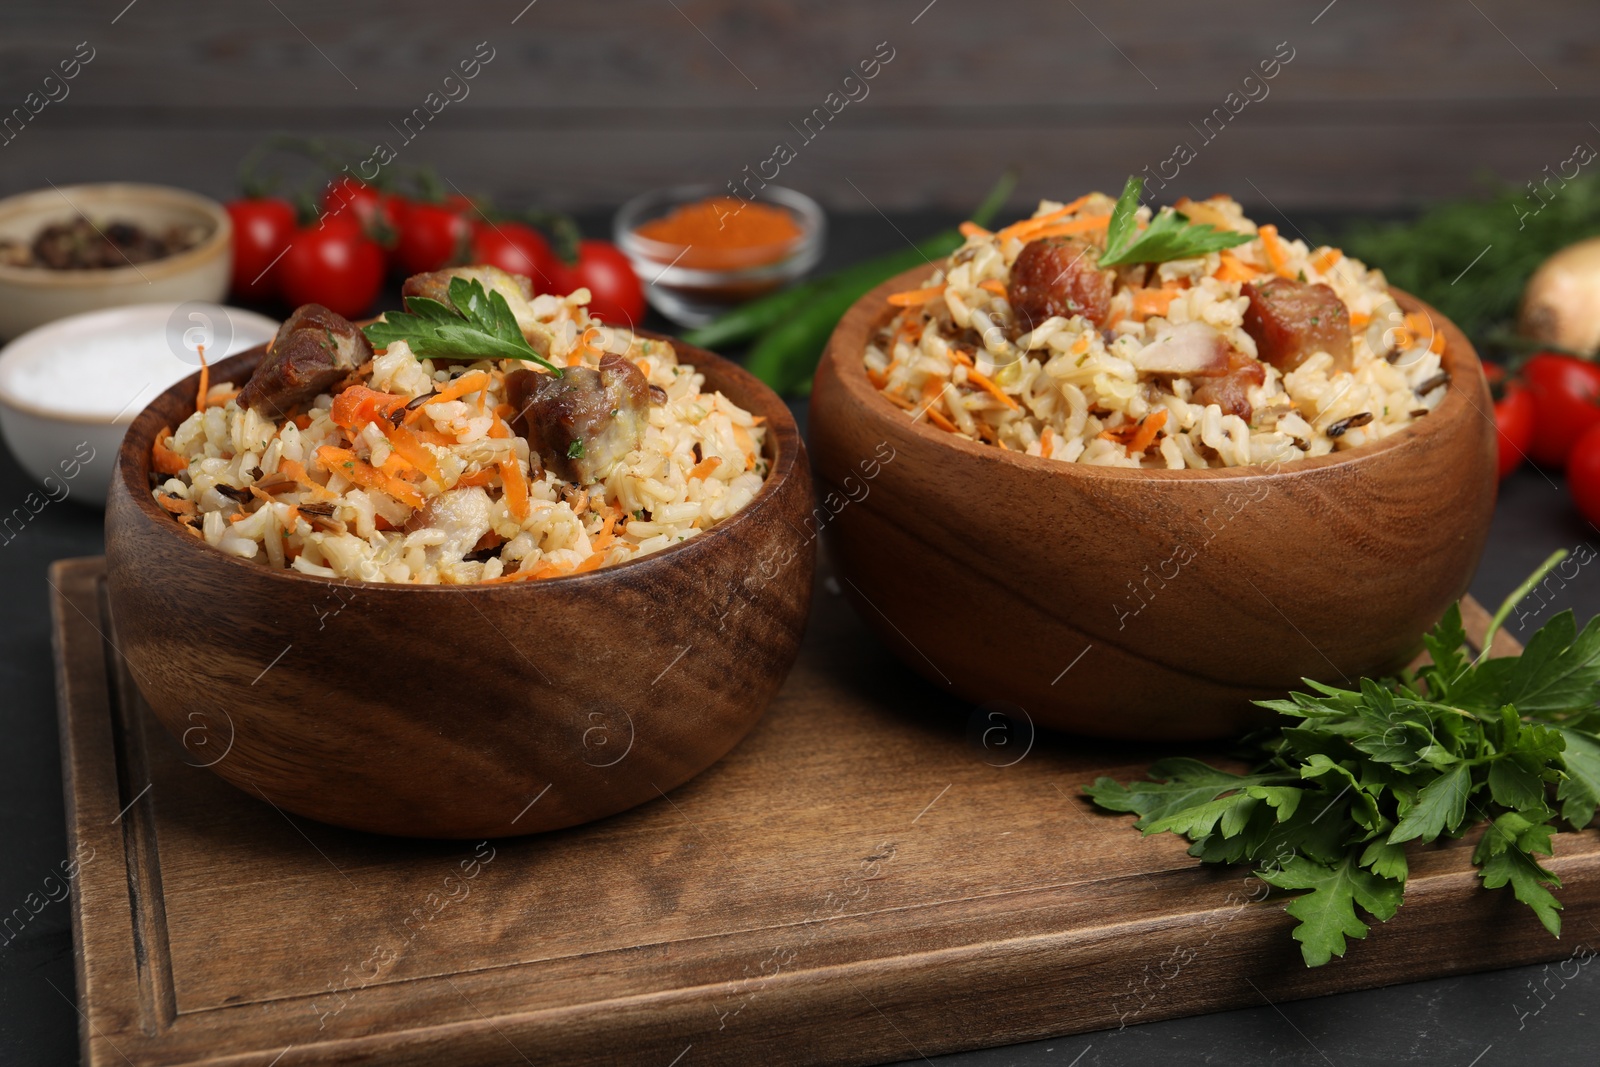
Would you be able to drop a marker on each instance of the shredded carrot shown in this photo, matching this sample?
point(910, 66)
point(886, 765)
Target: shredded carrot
point(972, 229)
point(434, 437)
point(590, 564)
point(483, 477)
point(205, 380)
point(1145, 435)
point(983, 381)
point(1359, 321)
point(607, 534)
point(176, 505)
point(1234, 269)
point(302, 422)
point(358, 405)
point(746, 445)
point(505, 411)
point(497, 428)
point(345, 462)
point(877, 378)
point(941, 422)
point(516, 488)
point(589, 342)
point(1327, 259)
point(1147, 302)
point(898, 401)
point(1025, 230)
point(406, 445)
point(1273, 246)
point(995, 286)
point(470, 382)
point(1076, 226)
point(297, 471)
point(1047, 443)
point(704, 468)
point(914, 297)
point(163, 458)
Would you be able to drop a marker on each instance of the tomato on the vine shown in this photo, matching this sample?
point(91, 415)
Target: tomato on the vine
point(521, 249)
point(262, 228)
point(1566, 396)
point(1514, 417)
point(432, 237)
point(333, 263)
point(615, 295)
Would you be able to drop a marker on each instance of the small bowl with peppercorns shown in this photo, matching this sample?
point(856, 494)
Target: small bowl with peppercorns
point(701, 251)
point(75, 248)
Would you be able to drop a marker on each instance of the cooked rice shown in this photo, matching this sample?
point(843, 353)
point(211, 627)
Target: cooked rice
point(700, 461)
point(1075, 387)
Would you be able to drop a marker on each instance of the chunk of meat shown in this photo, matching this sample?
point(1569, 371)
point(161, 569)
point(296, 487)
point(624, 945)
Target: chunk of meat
point(1292, 321)
point(462, 515)
point(584, 422)
point(1229, 387)
point(1184, 351)
point(313, 351)
point(1060, 276)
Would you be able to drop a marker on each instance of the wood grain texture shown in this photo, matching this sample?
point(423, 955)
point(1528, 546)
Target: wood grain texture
point(1381, 104)
point(991, 572)
point(464, 711)
point(869, 876)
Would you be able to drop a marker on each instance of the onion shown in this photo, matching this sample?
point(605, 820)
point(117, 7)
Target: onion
point(1561, 305)
point(1192, 348)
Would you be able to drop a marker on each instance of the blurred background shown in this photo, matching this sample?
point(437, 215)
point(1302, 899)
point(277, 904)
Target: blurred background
point(584, 105)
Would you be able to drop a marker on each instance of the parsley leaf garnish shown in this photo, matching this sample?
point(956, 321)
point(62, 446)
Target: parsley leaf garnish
point(480, 324)
point(575, 449)
point(1336, 791)
point(1170, 234)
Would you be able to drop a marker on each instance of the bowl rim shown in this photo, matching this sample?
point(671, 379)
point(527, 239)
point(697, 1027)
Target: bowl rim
point(783, 438)
point(11, 400)
point(872, 311)
point(216, 242)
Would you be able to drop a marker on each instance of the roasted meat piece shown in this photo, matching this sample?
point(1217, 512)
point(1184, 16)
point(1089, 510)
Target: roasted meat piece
point(313, 351)
point(1059, 276)
point(584, 422)
point(1292, 321)
point(1229, 388)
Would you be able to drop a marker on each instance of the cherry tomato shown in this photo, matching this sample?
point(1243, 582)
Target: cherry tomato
point(521, 249)
point(262, 228)
point(333, 263)
point(1583, 474)
point(432, 236)
point(615, 295)
point(1566, 397)
point(1514, 418)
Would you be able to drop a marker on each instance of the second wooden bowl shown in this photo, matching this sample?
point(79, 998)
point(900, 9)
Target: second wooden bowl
point(463, 711)
point(1145, 604)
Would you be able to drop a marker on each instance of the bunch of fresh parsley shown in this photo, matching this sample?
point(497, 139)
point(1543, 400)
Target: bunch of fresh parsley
point(479, 325)
point(1169, 236)
point(1335, 794)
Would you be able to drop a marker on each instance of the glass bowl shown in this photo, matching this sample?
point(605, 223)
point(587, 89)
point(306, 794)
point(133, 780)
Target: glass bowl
point(693, 296)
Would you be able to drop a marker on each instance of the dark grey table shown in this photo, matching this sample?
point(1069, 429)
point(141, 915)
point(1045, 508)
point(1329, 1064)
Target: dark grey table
point(1474, 1021)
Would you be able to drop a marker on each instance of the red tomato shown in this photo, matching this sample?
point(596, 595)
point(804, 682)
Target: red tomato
point(615, 294)
point(432, 236)
point(262, 228)
point(1583, 474)
point(1514, 419)
point(1566, 397)
point(335, 264)
point(521, 249)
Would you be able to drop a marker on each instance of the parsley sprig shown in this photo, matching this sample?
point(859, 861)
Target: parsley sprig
point(1336, 793)
point(1170, 234)
point(479, 325)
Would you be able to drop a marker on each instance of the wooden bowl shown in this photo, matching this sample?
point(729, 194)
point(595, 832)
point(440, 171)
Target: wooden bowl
point(1145, 604)
point(462, 711)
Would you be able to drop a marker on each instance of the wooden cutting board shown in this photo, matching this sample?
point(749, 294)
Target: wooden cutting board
point(876, 873)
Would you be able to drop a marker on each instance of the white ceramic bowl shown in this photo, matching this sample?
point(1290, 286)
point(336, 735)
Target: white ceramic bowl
point(32, 296)
point(68, 389)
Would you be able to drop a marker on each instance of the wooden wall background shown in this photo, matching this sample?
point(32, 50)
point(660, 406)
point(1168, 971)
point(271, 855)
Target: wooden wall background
point(1384, 104)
